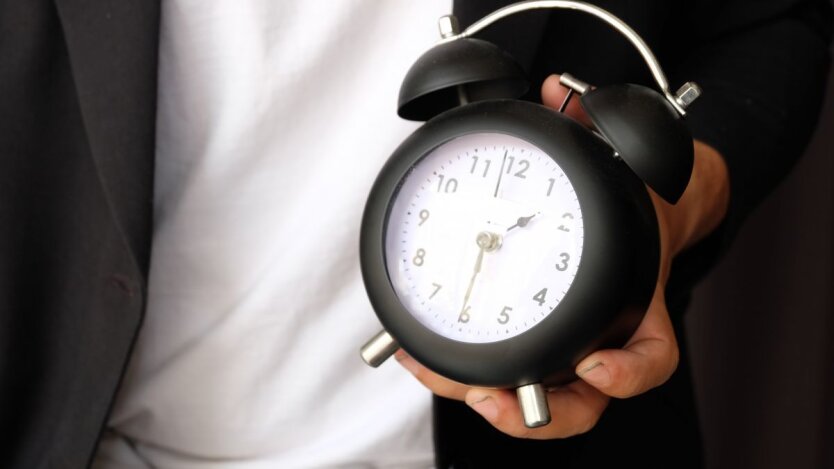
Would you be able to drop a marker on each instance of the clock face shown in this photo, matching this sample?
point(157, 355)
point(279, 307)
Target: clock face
point(483, 238)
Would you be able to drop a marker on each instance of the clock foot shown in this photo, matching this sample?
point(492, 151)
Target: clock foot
point(378, 349)
point(533, 402)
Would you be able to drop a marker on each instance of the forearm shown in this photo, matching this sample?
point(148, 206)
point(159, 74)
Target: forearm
point(762, 73)
point(700, 209)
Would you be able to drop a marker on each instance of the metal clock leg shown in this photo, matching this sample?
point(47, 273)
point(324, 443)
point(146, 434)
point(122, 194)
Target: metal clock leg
point(378, 349)
point(533, 401)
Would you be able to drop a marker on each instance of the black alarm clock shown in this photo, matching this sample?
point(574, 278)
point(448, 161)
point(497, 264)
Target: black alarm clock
point(503, 242)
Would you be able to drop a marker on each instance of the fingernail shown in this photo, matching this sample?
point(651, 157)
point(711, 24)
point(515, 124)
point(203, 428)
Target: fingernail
point(596, 374)
point(483, 404)
point(407, 362)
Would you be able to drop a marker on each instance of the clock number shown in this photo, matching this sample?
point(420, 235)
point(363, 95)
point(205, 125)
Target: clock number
point(437, 288)
point(419, 257)
point(540, 296)
point(526, 166)
point(475, 165)
point(424, 215)
point(567, 216)
point(504, 317)
point(520, 173)
point(464, 315)
point(563, 264)
point(451, 185)
point(550, 187)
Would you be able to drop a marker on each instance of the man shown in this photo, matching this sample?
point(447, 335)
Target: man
point(77, 138)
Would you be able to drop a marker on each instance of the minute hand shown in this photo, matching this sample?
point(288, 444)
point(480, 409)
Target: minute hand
point(478, 263)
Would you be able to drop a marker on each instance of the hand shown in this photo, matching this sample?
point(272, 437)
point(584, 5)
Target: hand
point(650, 356)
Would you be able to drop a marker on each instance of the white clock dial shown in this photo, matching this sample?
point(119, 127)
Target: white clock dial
point(484, 238)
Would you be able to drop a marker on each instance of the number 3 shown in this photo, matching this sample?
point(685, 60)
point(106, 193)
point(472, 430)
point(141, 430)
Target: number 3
point(563, 265)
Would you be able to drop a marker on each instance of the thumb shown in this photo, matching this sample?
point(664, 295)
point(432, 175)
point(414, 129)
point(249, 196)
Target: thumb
point(553, 95)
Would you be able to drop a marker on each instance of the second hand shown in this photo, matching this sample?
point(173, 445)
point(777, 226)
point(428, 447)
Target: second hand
point(500, 173)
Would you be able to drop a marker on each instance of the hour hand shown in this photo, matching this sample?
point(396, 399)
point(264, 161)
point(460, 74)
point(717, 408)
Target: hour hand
point(522, 222)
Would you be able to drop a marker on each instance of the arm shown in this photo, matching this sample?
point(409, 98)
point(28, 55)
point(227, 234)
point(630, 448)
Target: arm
point(763, 77)
point(763, 73)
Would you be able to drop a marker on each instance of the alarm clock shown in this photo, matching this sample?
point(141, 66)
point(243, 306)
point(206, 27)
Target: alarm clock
point(502, 242)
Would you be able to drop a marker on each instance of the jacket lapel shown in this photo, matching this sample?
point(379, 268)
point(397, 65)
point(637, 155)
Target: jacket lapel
point(113, 54)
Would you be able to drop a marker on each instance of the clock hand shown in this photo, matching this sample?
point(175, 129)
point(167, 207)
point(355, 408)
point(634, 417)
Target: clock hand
point(487, 242)
point(522, 222)
point(500, 173)
point(472, 280)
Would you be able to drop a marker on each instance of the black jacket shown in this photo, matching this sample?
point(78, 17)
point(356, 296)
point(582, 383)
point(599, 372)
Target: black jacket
point(78, 83)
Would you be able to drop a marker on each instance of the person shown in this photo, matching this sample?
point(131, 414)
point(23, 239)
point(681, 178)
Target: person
point(247, 181)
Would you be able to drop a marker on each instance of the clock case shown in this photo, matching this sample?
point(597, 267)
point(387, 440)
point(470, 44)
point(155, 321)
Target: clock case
point(469, 86)
point(615, 279)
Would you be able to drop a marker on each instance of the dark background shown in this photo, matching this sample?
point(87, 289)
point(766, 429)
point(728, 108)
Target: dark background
point(761, 326)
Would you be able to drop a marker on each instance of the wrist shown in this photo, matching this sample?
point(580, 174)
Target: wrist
point(702, 206)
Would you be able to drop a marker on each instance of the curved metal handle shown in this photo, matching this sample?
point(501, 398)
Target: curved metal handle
point(648, 56)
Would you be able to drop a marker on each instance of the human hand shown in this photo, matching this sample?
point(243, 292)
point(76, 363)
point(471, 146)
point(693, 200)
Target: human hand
point(650, 357)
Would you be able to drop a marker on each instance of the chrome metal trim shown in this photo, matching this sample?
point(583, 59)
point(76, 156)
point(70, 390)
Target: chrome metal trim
point(533, 402)
point(613, 21)
point(378, 349)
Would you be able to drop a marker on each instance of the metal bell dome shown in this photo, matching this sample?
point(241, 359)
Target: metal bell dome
point(456, 72)
point(647, 133)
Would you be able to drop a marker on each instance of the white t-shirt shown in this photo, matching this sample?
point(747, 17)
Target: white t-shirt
point(274, 118)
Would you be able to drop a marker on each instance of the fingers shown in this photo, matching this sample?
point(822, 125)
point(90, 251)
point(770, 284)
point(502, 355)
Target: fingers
point(553, 95)
point(575, 409)
point(647, 361)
